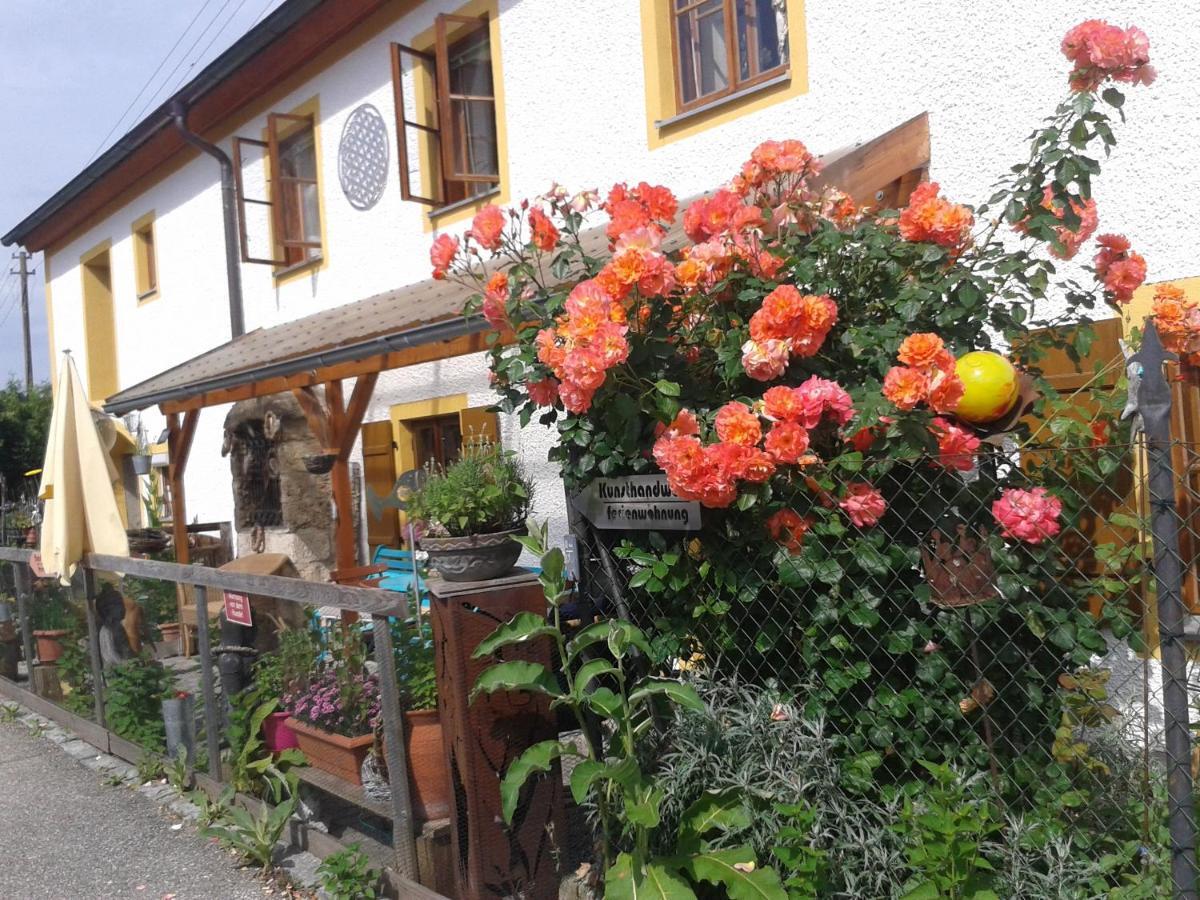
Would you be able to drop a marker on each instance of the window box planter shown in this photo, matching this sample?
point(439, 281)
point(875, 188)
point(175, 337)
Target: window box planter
point(333, 753)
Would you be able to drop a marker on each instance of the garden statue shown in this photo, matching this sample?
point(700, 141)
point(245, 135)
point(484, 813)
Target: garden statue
point(110, 610)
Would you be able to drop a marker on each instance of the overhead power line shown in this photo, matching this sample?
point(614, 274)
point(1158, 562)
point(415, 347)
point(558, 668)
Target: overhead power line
point(179, 40)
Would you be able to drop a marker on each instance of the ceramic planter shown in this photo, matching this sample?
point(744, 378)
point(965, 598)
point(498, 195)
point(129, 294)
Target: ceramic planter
point(276, 733)
point(49, 645)
point(474, 557)
point(339, 756)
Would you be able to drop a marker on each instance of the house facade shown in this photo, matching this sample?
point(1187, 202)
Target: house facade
point(359, 129)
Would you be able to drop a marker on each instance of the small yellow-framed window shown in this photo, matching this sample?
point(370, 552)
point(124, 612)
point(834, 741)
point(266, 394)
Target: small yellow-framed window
point(145, 258)
point(278, 184)
point(449, 99)
point(709, 61)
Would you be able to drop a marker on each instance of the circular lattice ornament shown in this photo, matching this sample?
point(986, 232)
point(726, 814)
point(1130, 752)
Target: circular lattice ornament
point(363, 157)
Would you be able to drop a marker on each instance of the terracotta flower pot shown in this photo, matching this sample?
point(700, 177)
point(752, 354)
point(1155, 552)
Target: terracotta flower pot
point(332, 753)
point(428, 780)
point(49, 645)
point(276, 733)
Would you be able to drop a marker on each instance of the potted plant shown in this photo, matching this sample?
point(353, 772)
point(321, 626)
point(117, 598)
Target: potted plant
point(160, 608)
point(141, 456)
point(429, 784)
point(468, 514)
point(51, 621)
point(333, 713)
point(281, 672)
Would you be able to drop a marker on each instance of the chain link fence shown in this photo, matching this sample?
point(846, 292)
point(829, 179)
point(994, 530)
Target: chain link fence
point(943, 668)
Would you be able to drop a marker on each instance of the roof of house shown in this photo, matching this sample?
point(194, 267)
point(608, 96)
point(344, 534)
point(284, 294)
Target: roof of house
point(286, 40)
point(383, 327)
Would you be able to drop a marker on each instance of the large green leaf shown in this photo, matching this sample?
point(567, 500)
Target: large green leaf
point(520, 628)
point(623, 635)
point(625, 773)
point(538, 758)
point(590, 670)
point(516, 676)
point(681, 694)
point(722, 810)
point(593, 634)
point(737, 871)
point(655, 882)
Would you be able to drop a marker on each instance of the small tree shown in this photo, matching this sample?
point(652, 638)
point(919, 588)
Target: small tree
point(24, 424)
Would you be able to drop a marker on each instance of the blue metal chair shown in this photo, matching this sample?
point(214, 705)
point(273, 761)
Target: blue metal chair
point(401, 574)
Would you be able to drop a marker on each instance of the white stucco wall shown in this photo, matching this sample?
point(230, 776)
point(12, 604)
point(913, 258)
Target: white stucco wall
point(575, 112)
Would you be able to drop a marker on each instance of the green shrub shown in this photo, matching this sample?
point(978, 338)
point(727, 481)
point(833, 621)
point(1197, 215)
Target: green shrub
point(348, 875)
point(133, 698)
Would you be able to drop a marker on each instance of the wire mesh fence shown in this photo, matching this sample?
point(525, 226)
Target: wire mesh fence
point(968, 644)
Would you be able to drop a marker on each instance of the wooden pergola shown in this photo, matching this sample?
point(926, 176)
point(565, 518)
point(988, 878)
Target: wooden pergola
point(414, 324)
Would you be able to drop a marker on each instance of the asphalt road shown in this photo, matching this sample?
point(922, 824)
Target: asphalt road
point(65, 834)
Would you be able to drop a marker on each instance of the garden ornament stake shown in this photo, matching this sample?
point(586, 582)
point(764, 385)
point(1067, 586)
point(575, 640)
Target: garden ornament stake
point(1154, 406)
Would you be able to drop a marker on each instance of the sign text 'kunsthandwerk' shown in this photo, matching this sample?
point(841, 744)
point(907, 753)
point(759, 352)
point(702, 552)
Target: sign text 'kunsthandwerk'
point(633, 502)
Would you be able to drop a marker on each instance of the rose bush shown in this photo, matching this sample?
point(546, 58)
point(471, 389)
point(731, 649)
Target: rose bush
point(791, 366)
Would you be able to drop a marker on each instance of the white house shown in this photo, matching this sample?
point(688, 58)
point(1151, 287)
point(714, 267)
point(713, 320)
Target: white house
point(326, 110)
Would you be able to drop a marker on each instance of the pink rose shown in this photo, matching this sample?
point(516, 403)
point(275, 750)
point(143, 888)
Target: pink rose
point(863, 504)
point(1030, 516)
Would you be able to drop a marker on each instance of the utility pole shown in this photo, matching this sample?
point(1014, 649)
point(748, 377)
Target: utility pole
point(24, 272)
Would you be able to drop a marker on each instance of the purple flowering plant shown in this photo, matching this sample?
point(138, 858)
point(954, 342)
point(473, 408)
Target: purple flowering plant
point(340, 697)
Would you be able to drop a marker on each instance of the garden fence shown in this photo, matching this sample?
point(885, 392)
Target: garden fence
point(208, 585)
point(1055, 678)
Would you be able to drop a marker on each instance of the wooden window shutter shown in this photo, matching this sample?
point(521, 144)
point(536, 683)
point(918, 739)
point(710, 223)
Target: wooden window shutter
point(412, 129)
point(246, 203)
point(447, 98)
point(379, 475)
point(479, 425)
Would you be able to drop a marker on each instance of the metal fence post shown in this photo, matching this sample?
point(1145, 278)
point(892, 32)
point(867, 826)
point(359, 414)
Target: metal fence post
point(1154, 404)
point(212, 734)
point(22, 583)
point(393, 724)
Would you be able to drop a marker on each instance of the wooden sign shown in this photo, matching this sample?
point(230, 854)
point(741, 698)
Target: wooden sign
point(237, 609)
point(636, 502)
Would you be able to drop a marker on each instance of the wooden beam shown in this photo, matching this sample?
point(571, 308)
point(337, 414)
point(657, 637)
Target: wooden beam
point(360, 399)
point(870, 167)
point(179, 447)
point(317, 415)
point(380, 362)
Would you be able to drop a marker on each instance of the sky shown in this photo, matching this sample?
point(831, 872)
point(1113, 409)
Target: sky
point(75, 75)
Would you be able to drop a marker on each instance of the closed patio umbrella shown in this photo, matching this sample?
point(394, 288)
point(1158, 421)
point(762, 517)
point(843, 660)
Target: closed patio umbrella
point(80, 514)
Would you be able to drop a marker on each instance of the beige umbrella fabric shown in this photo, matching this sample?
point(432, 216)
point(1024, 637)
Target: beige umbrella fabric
point(80, 514)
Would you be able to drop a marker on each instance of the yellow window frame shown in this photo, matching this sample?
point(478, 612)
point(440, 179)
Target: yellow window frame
point(426, 99)
point(146, 274)
point(665, 122)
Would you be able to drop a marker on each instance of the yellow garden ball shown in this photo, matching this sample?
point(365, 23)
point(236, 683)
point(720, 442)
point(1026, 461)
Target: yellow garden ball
point(990, 387)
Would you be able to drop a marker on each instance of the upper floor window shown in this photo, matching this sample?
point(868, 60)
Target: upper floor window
point(446, 114)
point(724, 46)
point(278, 193)
point(145, 260)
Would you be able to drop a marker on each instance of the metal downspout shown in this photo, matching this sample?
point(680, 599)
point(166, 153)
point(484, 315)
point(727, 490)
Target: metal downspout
point(237, 319)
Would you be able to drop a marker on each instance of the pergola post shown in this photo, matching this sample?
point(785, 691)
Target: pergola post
point(179, 447)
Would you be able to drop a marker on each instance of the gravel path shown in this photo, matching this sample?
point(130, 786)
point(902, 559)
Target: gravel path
point(67, 835)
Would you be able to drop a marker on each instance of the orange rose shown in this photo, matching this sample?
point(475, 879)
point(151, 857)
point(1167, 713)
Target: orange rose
point(906, 387)
point(921, 350)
